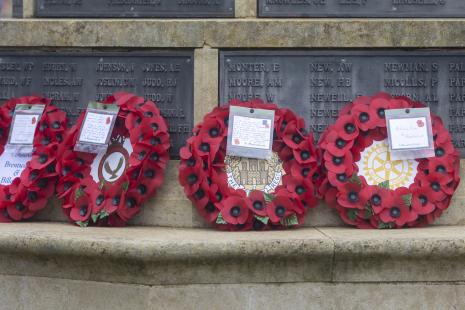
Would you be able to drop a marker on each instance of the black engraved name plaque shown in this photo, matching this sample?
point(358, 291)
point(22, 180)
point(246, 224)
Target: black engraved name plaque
point(74, 79)
point(134, 8)
point(316, 84)
point(17, 8)
point(361, 8)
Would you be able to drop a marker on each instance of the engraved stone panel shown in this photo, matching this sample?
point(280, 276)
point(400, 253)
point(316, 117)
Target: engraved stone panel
point(17, 8)
point(316, 84)
point(361, 8)
point(135, 8)
point(74, 79)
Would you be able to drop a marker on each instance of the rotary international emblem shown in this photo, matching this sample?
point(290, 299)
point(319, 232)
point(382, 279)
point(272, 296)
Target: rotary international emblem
point(254, 174)
point(110, 165)
point(377, 167)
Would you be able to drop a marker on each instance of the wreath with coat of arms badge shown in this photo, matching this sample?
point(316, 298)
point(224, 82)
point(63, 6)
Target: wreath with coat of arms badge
point(22, 197)
point(366, 187)
point(108, 188)
point(235, 193)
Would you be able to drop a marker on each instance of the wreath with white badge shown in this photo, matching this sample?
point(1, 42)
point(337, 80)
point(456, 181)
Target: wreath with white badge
point(27, 190)
point(235, 193)
point(366, 187)
point(109, 188)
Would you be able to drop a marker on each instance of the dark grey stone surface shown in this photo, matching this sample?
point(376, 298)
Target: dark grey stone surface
point(361, 8)
point(316, 84)
point(135, 8)
point(74, 79)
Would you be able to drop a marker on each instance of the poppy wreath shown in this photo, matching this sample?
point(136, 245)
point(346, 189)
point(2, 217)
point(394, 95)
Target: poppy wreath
point(359, 133)
point(202, 174)
point(90, 199)
point(29, 193)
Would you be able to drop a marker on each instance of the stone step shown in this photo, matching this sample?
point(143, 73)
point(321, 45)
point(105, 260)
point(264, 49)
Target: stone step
point(168, 256)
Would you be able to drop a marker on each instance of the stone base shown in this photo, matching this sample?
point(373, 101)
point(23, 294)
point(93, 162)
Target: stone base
point(45, 294)
point(60, 266)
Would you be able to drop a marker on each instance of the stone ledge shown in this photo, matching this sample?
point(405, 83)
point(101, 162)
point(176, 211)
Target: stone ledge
point(164, 256)
point(234, 33)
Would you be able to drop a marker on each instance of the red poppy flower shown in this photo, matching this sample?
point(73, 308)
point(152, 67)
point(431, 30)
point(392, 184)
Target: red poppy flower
point(397, 212)
point(422, 202)
point(210, 211)
point(257, 203)
point(131, 205)
point(379, 105)
point(213, 131)
point(435, 181)
point(81, 211)
point(304, 155)
point(234, 210)
point(400, 103)
point(365, 118)
point(377, 197)
point(346, 127)
point(349, 196)
point(114, 195)
point(280, 208)
point(339, 164)
point(42, 159)
point(336, 145)
point(303, 192)
point(191, 178)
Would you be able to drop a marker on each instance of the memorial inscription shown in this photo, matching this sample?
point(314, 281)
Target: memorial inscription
point(135, 8)
point(317, 84)
point(361, 8)
point(72, 80)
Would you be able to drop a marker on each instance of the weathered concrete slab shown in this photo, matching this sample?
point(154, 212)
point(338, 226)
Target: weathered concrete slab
point(232, 33)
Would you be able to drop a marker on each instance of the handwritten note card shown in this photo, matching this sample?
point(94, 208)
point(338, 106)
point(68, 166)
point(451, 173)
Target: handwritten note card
point(24, 128)
point(252, 132)
point(96, 128)
point(407, 133)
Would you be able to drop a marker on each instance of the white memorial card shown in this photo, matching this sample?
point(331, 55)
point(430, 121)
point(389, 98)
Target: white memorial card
point(251, 132)
point(410, 133)
point(407, 133)
point(23, 128)
point(96, 128)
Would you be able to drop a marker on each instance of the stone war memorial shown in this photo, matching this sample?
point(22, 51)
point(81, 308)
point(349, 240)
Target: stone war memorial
point(232, 154)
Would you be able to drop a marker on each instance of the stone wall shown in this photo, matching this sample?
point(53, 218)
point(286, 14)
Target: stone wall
point(207, 37)
point(59, 266)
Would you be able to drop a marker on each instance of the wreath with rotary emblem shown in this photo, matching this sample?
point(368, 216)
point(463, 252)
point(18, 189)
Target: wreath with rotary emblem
point(235, 193)
point(29, 193)
point(108, 188)
point(366, 187)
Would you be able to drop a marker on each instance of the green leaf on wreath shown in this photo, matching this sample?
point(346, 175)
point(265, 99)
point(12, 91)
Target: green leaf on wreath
point(352, 215)
point(355, 179)
point(95, 217)
point(264, 220)
point(103, 214)
point(268, 197)
point(383, 225)
point(125, 186)
point(384, 184)
point(83, 224)
point(368, 211)
point(78, 194)
point(290, 221)
point(407, 199)
point(220, 219)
